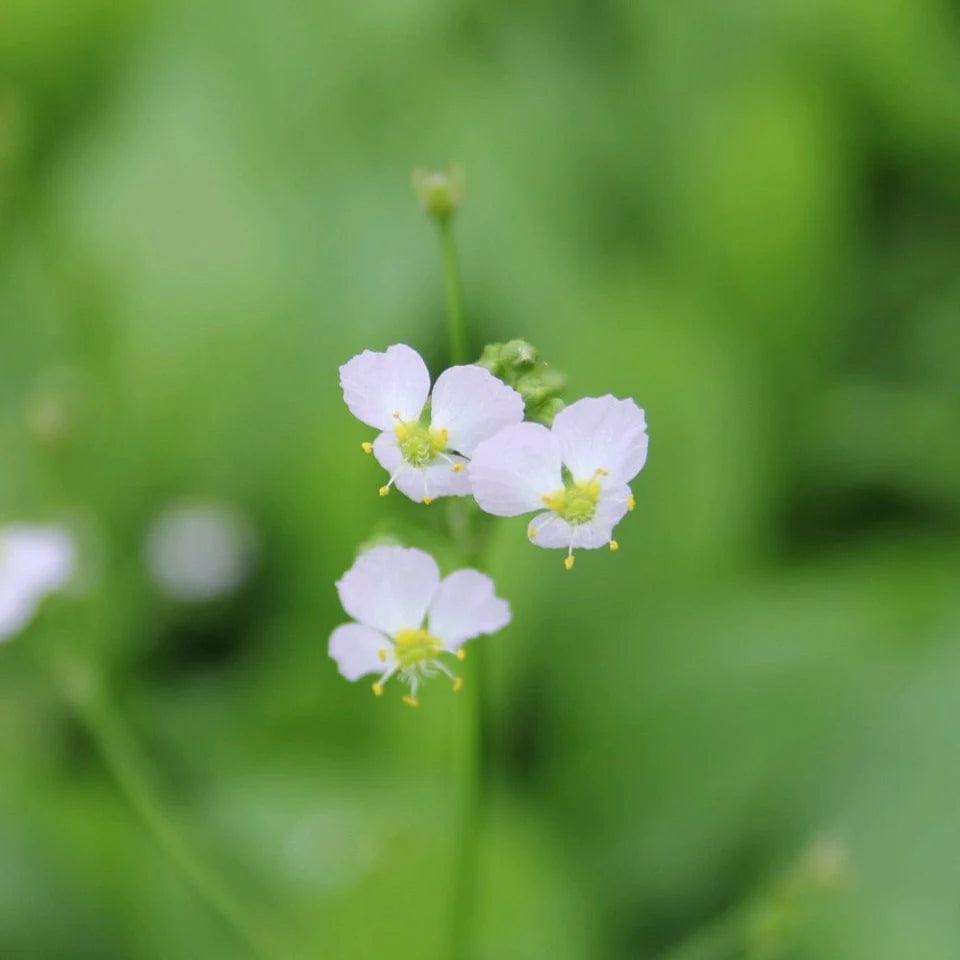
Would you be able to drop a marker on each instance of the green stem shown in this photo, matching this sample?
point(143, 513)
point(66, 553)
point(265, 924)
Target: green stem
point(120, 756)
point(456, 324)
point(462, 909)
point(463, 532)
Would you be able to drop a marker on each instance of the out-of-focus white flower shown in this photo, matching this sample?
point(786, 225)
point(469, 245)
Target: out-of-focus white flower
point(34, 562)
point(199, 551)
point(426, 438)
point(407, 617)
point(579, 470)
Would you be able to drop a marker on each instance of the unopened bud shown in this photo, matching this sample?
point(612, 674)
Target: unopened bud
point(519, 354)
point(439, 191)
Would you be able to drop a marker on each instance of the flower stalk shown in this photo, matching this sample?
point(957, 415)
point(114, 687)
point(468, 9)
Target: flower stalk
point(84, 691)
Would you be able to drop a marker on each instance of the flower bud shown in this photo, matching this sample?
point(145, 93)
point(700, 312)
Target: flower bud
point(439, 191)
point(519, 354)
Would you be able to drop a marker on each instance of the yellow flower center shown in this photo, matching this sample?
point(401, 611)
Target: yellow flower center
point(576, 502)
point(419, 445)
point(412, 647)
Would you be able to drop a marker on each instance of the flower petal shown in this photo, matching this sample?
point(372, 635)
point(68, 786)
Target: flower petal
point(39, 560)
point(551, 530)
point(602, 433)
point(378, 385)
point(435, 480)
point(512, 470)
point(17, 606)
point(465, 606)
point(356, 649)
point(471, 404)
point(389, 588)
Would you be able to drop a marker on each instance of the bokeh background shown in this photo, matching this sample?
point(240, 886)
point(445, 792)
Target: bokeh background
point(737, 737)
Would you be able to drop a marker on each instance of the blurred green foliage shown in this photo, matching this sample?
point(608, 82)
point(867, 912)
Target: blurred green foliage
point(744, 215)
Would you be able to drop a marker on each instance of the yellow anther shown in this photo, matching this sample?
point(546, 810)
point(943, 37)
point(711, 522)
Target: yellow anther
point(428, 500)
point(456, 468)
point(602, 473)
point(461, 653)
point(411, 701)
point(401, 431)
point(384, 491)
point(631, 503)
point(366, 447)
point(395, 414)
point(377, 690)
point(569, 561)
point(614, 545)
point(382, 654)
point(531, 531)
point(457, 684)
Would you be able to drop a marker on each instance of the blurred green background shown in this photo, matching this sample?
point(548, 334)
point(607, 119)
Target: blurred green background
point(745, 215)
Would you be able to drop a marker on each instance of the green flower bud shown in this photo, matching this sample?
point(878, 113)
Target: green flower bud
point(518, 364)
point(439, 191)
point(546, 411)
point(519, 354)
point(491, 359)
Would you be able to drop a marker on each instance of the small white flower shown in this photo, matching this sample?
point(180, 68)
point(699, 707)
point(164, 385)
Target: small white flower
point(199, 550)
point(579, 470)
point(34, 562)
point(408, 617)
point(427, 438)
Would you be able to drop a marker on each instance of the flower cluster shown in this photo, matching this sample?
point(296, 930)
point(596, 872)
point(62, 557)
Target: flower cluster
point(34, 562)
point(468, 437)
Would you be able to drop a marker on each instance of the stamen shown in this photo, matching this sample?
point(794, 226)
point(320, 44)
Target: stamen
point(570, 559)
point(385, 489)
point(457, 467)
point(457, 684)
point(411, 701)
point(531, 531)
point(461, 653)
point(631, 503)
point(366, 447)
point(428, 500)
point(377, 689)
point(382, 654)
point(614, 545)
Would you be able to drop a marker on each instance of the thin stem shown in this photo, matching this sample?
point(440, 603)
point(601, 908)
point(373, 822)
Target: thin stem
point(464, 534)
point(463, 907)
point(456, 324)
point(120, 756)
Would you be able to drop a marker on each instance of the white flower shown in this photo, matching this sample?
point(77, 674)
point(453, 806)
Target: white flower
point(579, 470)
point(34, 562)
point(408, 617)
point(425, 443)
point(199, 550)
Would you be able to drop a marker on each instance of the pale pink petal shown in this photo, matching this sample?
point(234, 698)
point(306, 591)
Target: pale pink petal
point(389, 588)
point(471, 404)
point(551, 530)
point(436, 480)
point(602, 433)
point(39, 559)
point(17, 606)
point(512, 470)
point(378, 385)
point(465, 606)
point(357, 650)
